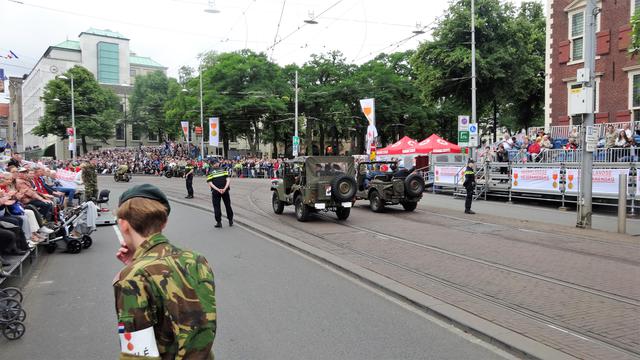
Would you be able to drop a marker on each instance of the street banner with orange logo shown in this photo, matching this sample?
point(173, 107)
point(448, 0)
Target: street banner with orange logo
point(604, 181)
point(185, 129)
point(214, 131)
point(369, 110)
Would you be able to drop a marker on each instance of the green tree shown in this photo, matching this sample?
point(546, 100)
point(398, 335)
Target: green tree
point(509, 57)
point(96, 108)
point(148, 100)
point(246, 90)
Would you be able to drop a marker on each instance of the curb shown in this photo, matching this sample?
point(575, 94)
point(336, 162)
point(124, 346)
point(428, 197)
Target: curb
point(505, 339)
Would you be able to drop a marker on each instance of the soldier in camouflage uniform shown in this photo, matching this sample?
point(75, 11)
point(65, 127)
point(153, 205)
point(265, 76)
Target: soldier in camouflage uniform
point(163, 290)
point(90, 180)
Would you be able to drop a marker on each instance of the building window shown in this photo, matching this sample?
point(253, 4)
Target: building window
point(108, 63)
point(132, 73)
point(576, 35)
point(152, 136)
point(635, 5)
point(135, 132)
point(120, 132)
point(634, 95)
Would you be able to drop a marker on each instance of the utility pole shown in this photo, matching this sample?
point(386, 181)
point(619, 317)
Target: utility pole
point(584, 202)
point(201, 117)
point(73, 122)
point(473, 70)
point(295, 133)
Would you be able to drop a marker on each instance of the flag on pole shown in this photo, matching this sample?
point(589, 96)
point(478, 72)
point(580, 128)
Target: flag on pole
point(185, 129)
point(2, 75)
point(369, 110)
point(11, 55)
point(214, 131)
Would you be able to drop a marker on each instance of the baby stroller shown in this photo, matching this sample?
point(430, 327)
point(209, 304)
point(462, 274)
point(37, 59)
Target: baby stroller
point(12, 315)
point(75, 229)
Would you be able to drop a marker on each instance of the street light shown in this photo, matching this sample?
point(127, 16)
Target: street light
point(126, 86)
point(211, 8)
point(73, 113)
point(311, 20)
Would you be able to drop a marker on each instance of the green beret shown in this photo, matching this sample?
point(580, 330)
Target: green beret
point(145, 191)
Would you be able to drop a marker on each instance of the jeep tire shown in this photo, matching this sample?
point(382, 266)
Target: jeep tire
point(343, 213)
point(376, 203)
point(302, 210)
point(409, 205)
point(343, 188)
point(414, 186)
point(278, 206)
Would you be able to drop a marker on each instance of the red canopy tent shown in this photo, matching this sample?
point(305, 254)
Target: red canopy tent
point(436, 144)
point(399, 147)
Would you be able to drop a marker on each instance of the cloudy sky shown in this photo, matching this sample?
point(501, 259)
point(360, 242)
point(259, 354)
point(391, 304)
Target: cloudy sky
point(174, 32)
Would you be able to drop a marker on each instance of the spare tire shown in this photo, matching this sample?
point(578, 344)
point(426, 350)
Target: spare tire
point(414, 186)
point(343, 188)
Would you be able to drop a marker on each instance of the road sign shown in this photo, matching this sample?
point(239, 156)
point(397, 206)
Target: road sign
point(463, 123)
point(592, 138)
point(296, 140)
point(296, 149)
point(463, 138)
point(473, 135)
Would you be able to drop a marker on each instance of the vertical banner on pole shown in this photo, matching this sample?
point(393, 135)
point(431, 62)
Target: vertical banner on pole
point(214, 131)
point(185, 129)
point(369, 110)
point(72, 139)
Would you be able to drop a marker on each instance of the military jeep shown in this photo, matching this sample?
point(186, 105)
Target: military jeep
point(315, 183)
point(382, 183)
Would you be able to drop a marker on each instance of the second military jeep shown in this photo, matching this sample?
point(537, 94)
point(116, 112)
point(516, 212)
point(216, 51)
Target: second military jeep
point(382, 183)
point(315, 183)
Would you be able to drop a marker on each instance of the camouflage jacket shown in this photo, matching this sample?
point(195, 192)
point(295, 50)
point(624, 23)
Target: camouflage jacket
point(89, 176)
point(173, 291)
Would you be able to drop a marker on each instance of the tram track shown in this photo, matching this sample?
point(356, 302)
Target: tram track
point(532, 314)
point(529, 313)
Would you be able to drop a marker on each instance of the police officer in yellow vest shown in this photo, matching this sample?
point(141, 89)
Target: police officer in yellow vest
point(218, 181)
point(470, 185)
point(189, 169)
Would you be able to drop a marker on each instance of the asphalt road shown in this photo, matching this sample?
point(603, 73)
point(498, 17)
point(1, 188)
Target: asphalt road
point(272, 304)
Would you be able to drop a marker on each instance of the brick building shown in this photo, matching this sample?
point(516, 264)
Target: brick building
point(617, 69)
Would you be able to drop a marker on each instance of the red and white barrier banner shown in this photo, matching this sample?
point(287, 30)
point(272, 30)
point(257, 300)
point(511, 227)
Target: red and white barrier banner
point(605, 181)
point(65, 175)
point(447, 174)
point(535, 179)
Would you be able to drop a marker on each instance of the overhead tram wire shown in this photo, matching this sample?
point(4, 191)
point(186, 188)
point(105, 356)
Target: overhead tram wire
point(317, 34)
point(243, 14)
point(275, 38)
point(303, 25)
point(397, 44)
point(144, 26)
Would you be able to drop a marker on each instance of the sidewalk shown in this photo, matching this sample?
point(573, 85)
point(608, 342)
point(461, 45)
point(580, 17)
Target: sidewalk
point(533, 213)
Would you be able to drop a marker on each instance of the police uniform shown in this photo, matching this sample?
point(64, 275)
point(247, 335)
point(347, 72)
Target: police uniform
point(189, 171)
point(165, 298)
point(219, 179)
point(90, 180)
point(470, 185)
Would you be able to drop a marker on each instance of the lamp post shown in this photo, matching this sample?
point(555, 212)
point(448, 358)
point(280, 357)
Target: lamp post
point(201, 116)
point(73, 114)
point(125, 114)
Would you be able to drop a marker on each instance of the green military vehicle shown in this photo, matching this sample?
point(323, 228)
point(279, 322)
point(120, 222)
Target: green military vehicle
point(383, 183)
point(315, 183)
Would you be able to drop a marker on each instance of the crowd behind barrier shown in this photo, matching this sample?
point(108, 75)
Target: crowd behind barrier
point(617, 143)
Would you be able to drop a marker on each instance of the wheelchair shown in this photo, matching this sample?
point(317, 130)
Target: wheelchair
point(12, 315)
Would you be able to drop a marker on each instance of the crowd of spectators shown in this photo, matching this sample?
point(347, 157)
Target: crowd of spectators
point(171, 157)
point(31, 197)
point(527, 148)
